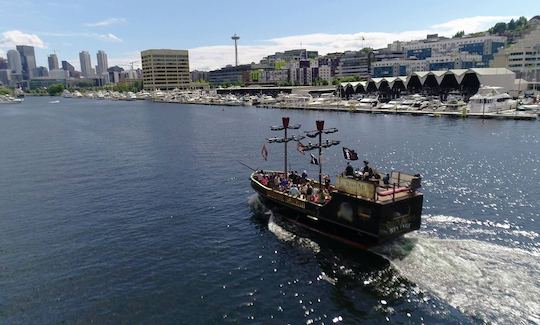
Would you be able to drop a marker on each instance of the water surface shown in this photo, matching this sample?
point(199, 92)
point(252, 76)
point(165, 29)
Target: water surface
point(130, 212)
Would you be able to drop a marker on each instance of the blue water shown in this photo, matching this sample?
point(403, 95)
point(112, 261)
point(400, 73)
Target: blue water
point(138, 212)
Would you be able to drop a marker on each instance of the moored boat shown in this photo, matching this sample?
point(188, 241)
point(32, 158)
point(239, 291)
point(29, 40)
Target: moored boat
point(6, 99)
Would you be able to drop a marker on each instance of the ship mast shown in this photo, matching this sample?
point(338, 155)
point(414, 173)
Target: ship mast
point(327, 144)
point(285, 126)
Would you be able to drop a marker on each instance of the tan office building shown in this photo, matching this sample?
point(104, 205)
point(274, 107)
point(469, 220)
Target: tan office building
point(165, 69)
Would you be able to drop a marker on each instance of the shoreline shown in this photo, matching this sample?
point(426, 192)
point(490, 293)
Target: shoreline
point(515, 115)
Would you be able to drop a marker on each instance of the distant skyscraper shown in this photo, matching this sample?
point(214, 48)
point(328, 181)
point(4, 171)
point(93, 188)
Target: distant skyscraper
point(67, 66)
point(41, 72)
point(70, 69)
point(102, 63)
point(86, 64)
point(3, 64)
point(28, 60)
point(14, 61)
point(53, 62)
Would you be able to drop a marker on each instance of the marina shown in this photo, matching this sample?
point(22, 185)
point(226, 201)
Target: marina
point(425, 107)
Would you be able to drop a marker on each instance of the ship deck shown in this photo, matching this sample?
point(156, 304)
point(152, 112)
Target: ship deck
point(372, 190)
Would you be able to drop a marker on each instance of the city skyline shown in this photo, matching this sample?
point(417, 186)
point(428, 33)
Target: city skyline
point(118, 33)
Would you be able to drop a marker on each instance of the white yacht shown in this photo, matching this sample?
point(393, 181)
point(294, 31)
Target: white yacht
point(393, 104)
point(368, 102)
point(454, 105)
point(491, 99)
point(67, 94)
point(529, 104)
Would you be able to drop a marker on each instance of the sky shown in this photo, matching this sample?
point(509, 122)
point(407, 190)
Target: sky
point(124, 28)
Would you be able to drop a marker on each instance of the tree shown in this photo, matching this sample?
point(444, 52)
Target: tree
point(5, 91)
point(512, 25)
point(459, 34)
point(499, 28)
point(367, 49)
point(55, 90)
point(521, 22)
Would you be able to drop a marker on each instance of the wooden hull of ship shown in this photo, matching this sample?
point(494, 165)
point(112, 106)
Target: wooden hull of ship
point(361, 230)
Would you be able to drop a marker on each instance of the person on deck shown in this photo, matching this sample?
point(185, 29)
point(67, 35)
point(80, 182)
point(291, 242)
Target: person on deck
point(349, 171)
point(327, 182)
point(367, 171)
point(294, 192)
point(386, 179)
point(366, 167)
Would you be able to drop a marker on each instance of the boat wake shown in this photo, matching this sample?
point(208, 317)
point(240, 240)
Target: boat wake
point(256, 206)
point(287, 236)
point(259, 209)
point(486, 281)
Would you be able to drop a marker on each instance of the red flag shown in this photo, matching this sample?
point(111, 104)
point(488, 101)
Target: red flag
point(300, 148)
point(264, 152)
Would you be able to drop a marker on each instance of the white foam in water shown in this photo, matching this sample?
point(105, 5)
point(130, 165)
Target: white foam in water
point(284, 235)
point(281, 233)
point(255, 204)
point(494, 283)
point(486, 226)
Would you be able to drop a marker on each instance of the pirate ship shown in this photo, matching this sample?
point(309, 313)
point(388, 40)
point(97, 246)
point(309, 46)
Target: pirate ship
point(359, 210)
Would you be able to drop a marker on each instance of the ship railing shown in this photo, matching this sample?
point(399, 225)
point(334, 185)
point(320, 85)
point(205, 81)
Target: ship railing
point(402, 179)
point(400, 185)
point(319, 198)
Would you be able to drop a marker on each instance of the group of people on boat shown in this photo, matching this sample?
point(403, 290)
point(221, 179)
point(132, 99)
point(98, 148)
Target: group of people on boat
point(296, 185)
point(366, 174)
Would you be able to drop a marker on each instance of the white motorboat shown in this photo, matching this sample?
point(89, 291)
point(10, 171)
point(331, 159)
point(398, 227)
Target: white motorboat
point(6, 99)
point(67, 94)
point(491, 99)
point(368, 102)
point(393, 104)
point(529, 107)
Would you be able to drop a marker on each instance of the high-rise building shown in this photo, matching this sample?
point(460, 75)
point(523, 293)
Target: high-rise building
point(41, 72)
point(53, 62)
point(28, 60)
point(86, 64)
point(67, 66)
point(165, 69)
point(71, 70)
point(5, 77)
point(3, 64)
point(102, 63)
point(5, 73)
point(14, 61)
point(115, 74)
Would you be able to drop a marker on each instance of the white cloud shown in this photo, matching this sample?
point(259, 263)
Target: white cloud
point(213, 57)
point(109, 37)
point(107, 22)
point(11, 38)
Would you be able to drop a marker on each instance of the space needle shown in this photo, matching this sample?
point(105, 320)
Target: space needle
point(235, 38)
